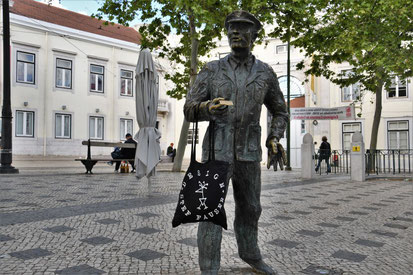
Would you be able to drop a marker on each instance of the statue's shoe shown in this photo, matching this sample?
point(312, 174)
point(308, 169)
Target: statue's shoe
point(261, 268)
point(209, 272)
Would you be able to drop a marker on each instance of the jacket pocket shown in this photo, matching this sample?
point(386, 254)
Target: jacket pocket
point(259, 91)
point(254, 137)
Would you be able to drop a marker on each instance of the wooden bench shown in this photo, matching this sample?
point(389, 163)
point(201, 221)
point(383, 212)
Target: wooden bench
point(89, 162)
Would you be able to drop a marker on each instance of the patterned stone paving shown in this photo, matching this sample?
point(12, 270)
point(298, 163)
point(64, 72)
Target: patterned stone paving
point(112, 224)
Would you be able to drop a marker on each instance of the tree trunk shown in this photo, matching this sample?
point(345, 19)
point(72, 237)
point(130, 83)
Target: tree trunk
point(375, 129)
point(377, 117)
point(183, 138)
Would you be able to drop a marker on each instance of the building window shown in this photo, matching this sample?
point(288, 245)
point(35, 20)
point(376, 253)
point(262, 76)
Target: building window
point(126, 127)
point(279, 49)
point(126, 82)
point(348, 130)
point(63, 73)
point(25, 67)
point(96, 125)
point(398, 134)
point(96, 78)
point(24, 124)
point(352, 92)
point(398, 88)
point(302, 126)
point(190, 135)
point(63, 125)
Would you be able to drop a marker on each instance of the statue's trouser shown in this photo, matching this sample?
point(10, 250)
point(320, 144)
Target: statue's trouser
point(246, 182)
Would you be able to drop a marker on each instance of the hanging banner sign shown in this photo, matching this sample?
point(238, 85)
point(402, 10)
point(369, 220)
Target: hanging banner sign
point(323, 113)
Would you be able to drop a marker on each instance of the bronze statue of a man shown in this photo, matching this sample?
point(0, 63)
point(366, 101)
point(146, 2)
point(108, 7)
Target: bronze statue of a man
point(248, 83)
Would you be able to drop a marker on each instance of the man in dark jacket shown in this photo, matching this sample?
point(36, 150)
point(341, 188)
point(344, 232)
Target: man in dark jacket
point(126, 153)
point(248, 83)
point(324, 153)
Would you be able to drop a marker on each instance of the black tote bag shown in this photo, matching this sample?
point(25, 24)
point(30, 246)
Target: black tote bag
point(204, 188)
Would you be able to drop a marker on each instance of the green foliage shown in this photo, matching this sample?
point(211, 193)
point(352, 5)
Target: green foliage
point(373, 36)
point(165, 17)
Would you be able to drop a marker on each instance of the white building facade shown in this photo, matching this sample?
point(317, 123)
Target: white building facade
point(71, 83)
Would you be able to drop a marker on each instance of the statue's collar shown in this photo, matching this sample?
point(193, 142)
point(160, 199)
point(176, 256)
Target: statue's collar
point(235, 62)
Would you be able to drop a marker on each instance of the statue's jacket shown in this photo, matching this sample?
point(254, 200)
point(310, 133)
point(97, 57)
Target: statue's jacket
point(238, 132)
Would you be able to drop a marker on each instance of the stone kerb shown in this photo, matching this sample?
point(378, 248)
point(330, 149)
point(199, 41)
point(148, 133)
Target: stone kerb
point(357, 154)
point(307, 153)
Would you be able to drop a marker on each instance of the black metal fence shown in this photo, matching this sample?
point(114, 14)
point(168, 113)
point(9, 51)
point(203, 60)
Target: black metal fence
point(377, 162)
point(389, 161)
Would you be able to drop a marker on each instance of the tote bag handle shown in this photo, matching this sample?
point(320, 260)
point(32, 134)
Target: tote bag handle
point(211, 155)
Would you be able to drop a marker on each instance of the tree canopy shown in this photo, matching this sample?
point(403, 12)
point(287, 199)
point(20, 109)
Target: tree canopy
point(199, 21)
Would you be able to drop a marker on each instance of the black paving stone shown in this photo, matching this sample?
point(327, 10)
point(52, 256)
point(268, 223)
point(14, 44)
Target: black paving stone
point(403, 219)
point(322, 194)
point(25, 192)
point(350, 256)
point(83, 209)
point(100, 197)
point(345, 219)
point(310, 233)
point(379, 204)
point(358, 213)
point(31, 254)
point(325, 224)
point(332, 203)
point(384, 233)
point(58, 229)
point(147, 215)
point(45, 196)
point(78, 193)
point(66, 200)
point(369, 243)
point(5, 238)
point(189, 241)
point(284, 243)
point(301, 212)
point(282, 202)
point(285, 218)
point(107, 221)
point(315, 270)
point(353, 197)
point(28, 204)
point(395, 225)
point(318, 207)
point(310, 196)
point(146, 255)
point(97, 240)
point(370, 208)
point(343, 200)
point(297, 199)
point(80, 270)
point(388, 201)
point(146, 230)
point(7, 200)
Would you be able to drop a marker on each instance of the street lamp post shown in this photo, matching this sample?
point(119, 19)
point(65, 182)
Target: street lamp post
point(288, 167)
point(6, 115)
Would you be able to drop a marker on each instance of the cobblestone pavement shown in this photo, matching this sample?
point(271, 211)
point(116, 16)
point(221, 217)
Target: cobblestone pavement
point(112, 224)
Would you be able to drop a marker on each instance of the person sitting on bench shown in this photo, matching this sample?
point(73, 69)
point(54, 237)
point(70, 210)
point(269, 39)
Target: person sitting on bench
point(125, 153)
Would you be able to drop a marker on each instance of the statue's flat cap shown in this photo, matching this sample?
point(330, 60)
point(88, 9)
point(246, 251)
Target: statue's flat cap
point(242, 16)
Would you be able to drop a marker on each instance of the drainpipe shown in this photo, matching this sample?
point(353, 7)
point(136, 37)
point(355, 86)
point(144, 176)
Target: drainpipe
point(46, 89)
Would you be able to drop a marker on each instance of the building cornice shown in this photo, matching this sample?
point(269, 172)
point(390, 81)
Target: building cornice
point(71, 33)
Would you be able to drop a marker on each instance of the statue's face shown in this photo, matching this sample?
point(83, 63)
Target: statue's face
point(240, 35)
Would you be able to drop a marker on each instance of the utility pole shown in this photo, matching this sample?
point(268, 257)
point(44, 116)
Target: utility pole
point(288, 168)
point(6, 115)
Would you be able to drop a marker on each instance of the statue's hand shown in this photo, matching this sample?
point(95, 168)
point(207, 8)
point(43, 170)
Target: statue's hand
point(276, 154)
point(215, 108)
